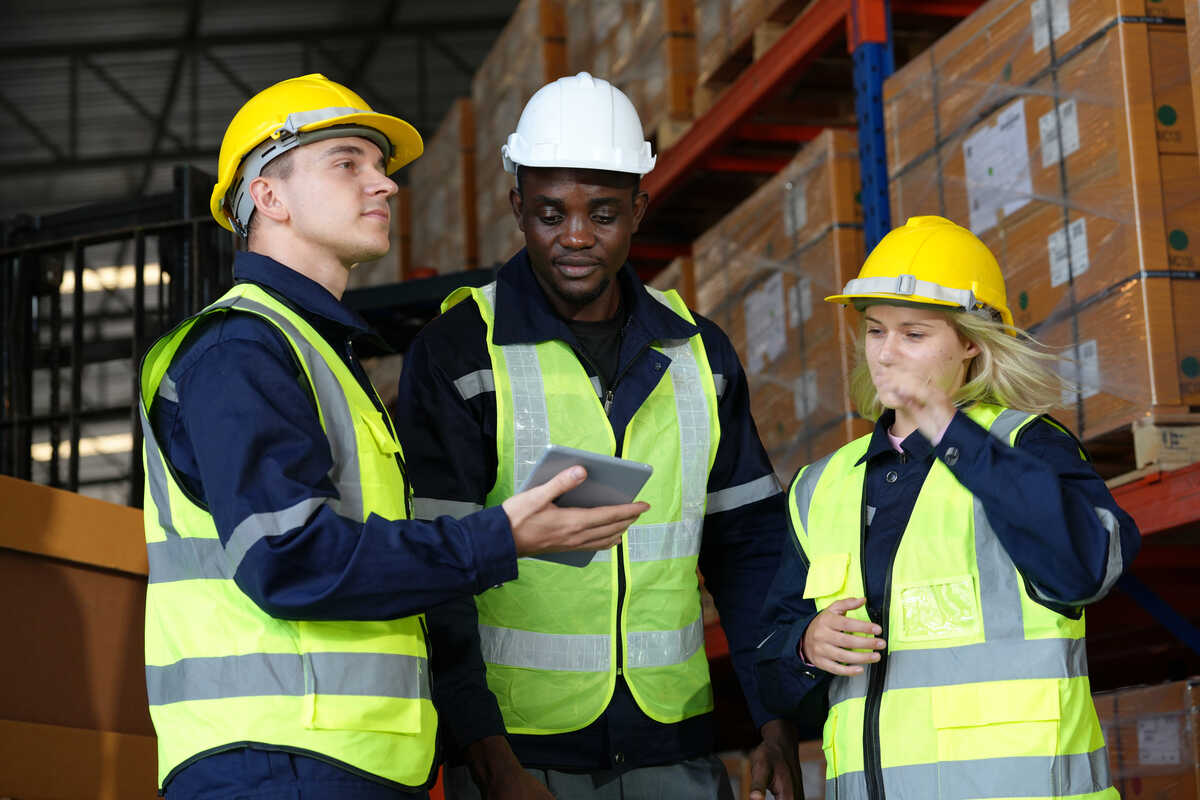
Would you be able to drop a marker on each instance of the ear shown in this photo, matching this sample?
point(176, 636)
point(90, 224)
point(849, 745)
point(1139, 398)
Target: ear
point(268, 200)
point(641, 202)
point(972, 349)
point(518, 207)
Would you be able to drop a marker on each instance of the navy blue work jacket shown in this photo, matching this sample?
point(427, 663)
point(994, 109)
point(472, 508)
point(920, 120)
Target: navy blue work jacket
point(245, 439)
point(448, 427)
point(1039, 496)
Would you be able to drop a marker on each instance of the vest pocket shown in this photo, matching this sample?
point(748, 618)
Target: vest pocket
point(827, 575)
point(947, 608)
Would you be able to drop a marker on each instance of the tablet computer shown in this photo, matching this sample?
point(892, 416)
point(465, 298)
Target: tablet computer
point(610, 481)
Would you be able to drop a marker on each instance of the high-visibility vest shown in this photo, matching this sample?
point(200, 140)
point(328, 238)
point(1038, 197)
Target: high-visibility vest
point(982, 691)
point(222, 673)
point(552, 639)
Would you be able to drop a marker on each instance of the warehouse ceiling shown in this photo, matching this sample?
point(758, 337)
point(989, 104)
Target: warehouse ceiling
point(99, 99)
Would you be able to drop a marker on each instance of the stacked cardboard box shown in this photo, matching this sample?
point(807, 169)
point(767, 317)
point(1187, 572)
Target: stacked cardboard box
point(444, 225)
point(1061, 132)
point(648, 50)
point(679, 275)
point(529, 53)
point(727, 28)
point(1153, 738)
point(761, 274)
point(1193, 34)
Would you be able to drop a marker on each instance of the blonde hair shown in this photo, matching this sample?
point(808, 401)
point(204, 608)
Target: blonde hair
point(1009, 371)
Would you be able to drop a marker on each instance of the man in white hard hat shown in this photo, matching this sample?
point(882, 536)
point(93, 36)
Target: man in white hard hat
point(597, 679)
point(286, 648)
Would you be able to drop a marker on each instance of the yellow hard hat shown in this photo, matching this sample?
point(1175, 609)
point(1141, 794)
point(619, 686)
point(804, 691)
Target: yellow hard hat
point(930, 261)
point(289, 114)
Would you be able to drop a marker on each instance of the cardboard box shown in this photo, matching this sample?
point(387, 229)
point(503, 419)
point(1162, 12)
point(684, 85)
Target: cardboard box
point(529, 53)
point(1153, 739)
point(445, 228)
point(648, 50)
point(761, 274)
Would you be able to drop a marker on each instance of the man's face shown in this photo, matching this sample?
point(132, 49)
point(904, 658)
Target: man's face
point(336, 194)
point(578, 224)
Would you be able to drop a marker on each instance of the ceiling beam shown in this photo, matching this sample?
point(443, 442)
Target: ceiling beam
point(207, 159)
point(415, 28)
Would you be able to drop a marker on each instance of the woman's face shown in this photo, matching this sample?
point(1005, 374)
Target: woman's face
point(905, 344)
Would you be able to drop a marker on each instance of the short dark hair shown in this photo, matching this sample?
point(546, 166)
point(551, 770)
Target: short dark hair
point(637, 181)
point(280, 167)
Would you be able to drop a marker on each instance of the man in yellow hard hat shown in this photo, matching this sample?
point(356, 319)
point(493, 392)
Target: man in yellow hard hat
point(597, 680)
point(287, 651)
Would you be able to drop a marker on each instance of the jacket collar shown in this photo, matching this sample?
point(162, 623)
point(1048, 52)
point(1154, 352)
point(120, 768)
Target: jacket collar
point(304, 294)
point(525, 316)
point(915, 445)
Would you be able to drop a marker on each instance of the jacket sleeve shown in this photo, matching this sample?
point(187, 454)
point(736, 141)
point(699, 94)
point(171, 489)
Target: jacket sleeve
point(745, 521)
point(1051, 511)
point(263, 461)
point(450, 450)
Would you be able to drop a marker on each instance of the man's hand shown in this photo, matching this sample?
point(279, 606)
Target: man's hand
point(774, 764)
point(539, 526)
point(498, 774)
point(830, 643)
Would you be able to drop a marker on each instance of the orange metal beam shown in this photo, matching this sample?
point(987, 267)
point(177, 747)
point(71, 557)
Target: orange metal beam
point(805, 39)
point(1163, 500)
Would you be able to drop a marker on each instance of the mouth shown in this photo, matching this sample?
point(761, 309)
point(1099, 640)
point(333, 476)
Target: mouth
point(380, 214)
point(577, 267)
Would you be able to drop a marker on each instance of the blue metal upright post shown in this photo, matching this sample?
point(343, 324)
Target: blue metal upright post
point(870, 41)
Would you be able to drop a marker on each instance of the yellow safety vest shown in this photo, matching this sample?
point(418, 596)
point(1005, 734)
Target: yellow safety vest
point(552, 639)
point(220, 672)
point(982, 691)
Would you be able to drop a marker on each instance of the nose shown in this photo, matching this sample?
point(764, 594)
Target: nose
point(886, 353)
point(577, 233)
point(382, 185)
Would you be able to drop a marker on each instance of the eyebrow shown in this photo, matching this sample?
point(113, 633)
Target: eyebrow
point(905, 324)
point(350, 149)
point(542, 199)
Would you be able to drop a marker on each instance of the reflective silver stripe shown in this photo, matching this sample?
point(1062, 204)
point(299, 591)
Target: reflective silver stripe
point(871, 514)
point(743, 495)
point(910, 285)
point(1113, 565)
point(999, 591)
point(475, 383)
point(335, 407)
point(719, 384)
point(286, 674)
point(663, 540)
point(977, 663)
point(805, 485)
point(1020, 776)
point(156, 476)
point(269, 523)
point(1006, 423)
point(531, 422)
point(563, 652)
point(599, 389)
point(167, 390)
point(184, 559)
point(429, 508)
point(664, 648)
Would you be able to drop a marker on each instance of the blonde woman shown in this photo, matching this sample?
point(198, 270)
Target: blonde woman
point(938, 567)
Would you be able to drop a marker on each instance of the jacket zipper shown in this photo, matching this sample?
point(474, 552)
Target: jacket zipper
point(360, 374)
point(872, 757)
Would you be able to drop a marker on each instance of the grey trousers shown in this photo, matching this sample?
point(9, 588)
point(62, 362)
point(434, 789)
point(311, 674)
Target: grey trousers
point(695, 779)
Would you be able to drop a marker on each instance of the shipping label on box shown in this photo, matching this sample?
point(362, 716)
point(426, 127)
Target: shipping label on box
point(766, 326)
point(1050, 19)
point(1068, 252)
point(997, 168)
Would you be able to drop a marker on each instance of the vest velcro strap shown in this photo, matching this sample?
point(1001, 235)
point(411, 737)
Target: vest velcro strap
point(664, 648)
point(743, 495)
point(1021, 776)
point(288, 674)
point(553, 651)
point(1031, 659)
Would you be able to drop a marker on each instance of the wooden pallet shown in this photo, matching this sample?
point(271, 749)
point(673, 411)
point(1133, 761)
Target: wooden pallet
point(1155, 445)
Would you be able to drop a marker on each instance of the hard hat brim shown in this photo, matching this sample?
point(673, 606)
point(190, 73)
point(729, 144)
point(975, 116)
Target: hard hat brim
point(407, 146)
point(906, 300)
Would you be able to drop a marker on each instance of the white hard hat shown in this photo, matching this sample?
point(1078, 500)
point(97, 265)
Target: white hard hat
point(581, 122)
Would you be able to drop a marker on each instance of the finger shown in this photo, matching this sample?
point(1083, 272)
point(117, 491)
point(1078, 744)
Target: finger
point(849, 641)
point(851, 625)
point(840, 607)
point(844, 656)
point(834, 668)
point(760, 774)
point(560, 484)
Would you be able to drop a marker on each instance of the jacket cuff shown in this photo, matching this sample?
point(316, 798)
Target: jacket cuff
point(495, 551)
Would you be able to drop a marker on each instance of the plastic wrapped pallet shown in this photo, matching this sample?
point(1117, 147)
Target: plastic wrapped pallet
point(1064, 137)
point(1153, 738)
point(729, 33)
point(679, 275)
point(444, 225)
point(761, 274)
point(529, 53)
point(648, 50)
point(1193, 34)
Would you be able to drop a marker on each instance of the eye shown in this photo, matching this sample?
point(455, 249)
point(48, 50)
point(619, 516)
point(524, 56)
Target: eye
point(873, 331)
point(345, 165)
point(603, 219)
point(550, 219)
point(916, 335)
